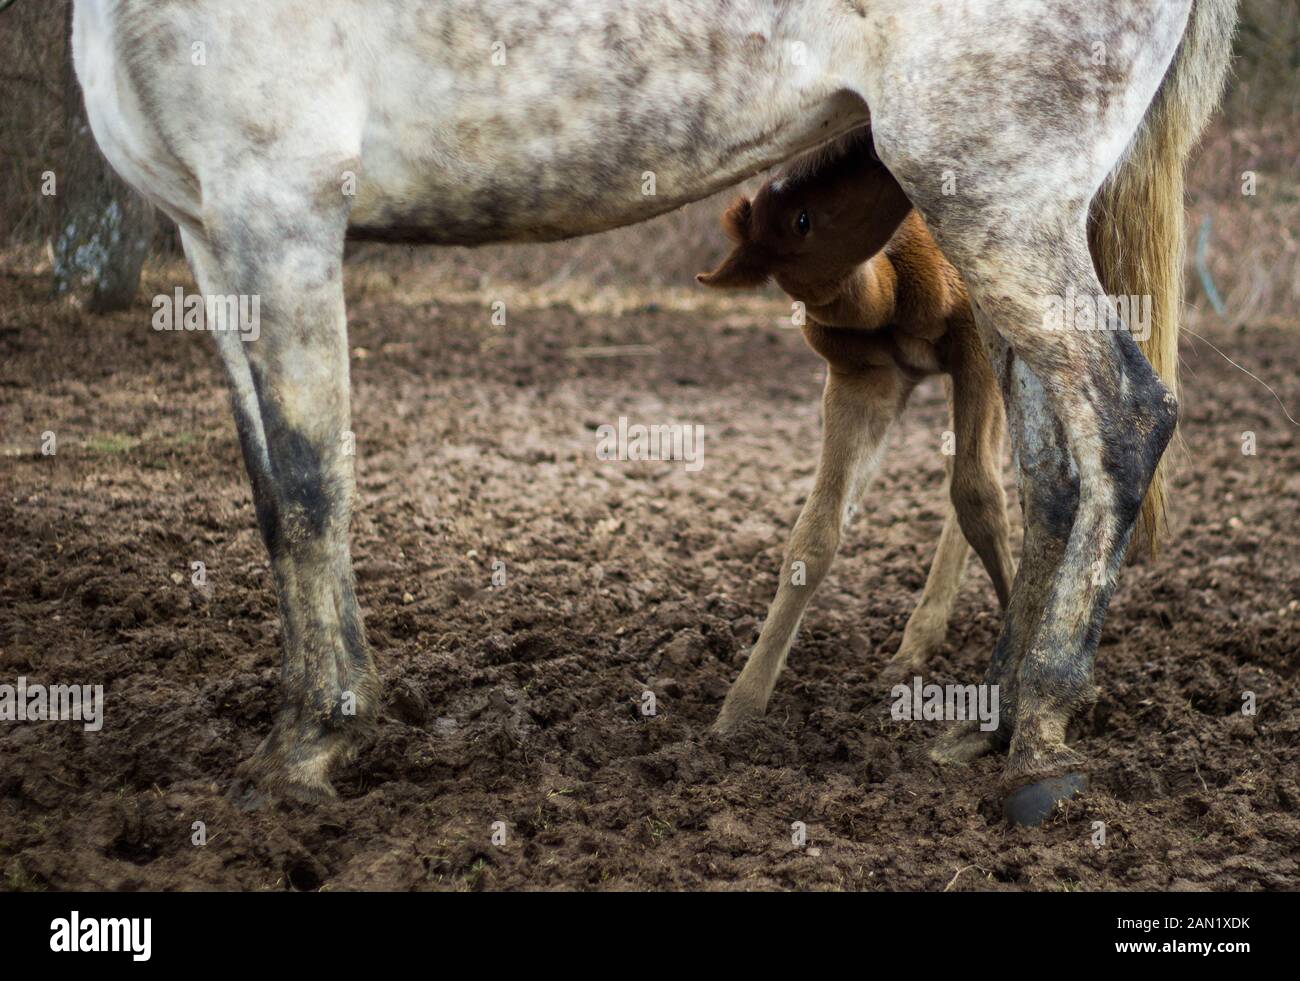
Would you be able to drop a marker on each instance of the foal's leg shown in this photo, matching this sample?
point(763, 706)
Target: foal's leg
point(858, 409)
point(977, 512)
point(291, 400)
point(928, 625)
point(977, 494)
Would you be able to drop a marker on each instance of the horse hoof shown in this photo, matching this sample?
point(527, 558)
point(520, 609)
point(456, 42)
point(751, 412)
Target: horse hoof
point(1031, 805)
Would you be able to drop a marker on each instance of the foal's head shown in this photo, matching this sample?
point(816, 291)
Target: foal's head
point(812, 226)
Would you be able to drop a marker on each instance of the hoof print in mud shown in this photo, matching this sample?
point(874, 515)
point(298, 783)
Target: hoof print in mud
point(1033, 804)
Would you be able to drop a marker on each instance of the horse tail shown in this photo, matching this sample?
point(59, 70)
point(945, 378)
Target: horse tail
point(1136, 221)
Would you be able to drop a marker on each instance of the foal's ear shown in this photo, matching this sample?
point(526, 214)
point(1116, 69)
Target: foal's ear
point(741, 270)
point(735, 220)
point(744, 268)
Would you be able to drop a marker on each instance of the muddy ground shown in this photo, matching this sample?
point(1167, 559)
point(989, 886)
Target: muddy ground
point(521, 703)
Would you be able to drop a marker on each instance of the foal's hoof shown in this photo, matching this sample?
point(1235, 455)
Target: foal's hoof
point(900, 670)
point(726, 726)
point(1034, 803)
point(735, 712)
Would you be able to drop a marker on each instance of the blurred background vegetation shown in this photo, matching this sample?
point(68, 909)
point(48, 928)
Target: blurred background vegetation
point(1250, 249)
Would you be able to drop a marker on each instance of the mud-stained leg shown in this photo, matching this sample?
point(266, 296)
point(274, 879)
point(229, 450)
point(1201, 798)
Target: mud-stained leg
point(1048, 488)
point(1135, 416)
point(290, 393)
point(858, 409)
point(1016, 230)
point(1092, 420)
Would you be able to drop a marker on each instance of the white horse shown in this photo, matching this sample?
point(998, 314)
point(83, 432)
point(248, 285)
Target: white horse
point(274, 130)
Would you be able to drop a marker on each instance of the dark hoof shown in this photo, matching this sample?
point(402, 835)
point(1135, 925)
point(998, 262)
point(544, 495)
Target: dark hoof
point(1033, 804)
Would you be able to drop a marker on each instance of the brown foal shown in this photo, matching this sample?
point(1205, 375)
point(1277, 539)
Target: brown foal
point(885, 309)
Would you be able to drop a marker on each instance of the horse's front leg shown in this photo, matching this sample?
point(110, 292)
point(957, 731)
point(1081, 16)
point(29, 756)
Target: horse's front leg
point(289, 380)
point(858, 409)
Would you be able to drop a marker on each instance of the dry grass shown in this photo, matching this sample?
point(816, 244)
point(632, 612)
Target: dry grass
point(31, 113)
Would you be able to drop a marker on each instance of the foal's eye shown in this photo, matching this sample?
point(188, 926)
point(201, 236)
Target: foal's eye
point(801, 224)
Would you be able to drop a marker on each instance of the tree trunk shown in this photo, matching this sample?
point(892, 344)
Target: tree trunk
point(103, 228)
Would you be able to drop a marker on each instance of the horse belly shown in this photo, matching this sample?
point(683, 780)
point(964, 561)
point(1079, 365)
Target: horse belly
point(517, 122)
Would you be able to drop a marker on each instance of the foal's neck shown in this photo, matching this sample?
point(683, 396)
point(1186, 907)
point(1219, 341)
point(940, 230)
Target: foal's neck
point(929, 289)
point(908, 286)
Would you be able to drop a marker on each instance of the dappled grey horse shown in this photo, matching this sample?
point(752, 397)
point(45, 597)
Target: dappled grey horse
point(274, 130)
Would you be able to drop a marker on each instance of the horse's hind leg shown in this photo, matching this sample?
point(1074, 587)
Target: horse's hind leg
point(1049, 490)
point(291, 400)
point(1133, 416)
point(1025, 169)
point(1091, 420)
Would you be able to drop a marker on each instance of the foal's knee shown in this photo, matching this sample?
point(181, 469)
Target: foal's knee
point(815, 541)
